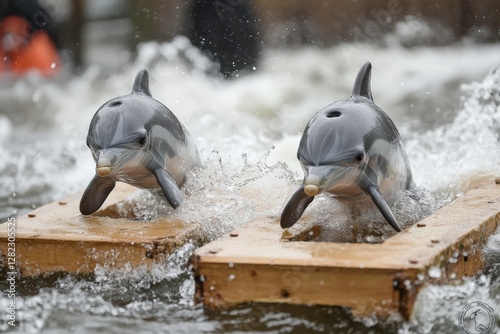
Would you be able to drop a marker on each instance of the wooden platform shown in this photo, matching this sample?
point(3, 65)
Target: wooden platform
point(56, 237)
point(255, 264)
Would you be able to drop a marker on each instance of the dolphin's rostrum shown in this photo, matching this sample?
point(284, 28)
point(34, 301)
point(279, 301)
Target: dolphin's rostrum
point(352, 150)
point(137, 140)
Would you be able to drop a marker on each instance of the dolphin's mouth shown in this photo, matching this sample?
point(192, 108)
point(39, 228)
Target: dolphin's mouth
point(311, 189)
point(319, 179)
point(103, 171)
point(113, 161)
point(103, 167)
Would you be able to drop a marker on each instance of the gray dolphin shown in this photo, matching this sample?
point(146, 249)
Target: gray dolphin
point(352, 150)
point(135, 139)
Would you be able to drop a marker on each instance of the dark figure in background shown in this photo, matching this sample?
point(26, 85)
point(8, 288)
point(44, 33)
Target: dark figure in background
point(227, 29)
point(32, 12)
point(28, 38)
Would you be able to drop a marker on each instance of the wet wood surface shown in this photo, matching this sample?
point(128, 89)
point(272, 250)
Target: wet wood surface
point(260, 262)
point(256, 264)
point(56, 237)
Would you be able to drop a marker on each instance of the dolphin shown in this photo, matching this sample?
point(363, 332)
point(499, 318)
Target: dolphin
point(352, 150)
point(137, 140)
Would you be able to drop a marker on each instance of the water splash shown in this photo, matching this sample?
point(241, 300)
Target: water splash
point(247, 117)
point(139, 293)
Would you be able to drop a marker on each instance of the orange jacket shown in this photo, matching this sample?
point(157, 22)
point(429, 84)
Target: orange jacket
point(22, 49)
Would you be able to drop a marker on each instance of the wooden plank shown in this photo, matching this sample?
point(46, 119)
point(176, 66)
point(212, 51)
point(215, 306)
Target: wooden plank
point(56, 237)
point(256, 264)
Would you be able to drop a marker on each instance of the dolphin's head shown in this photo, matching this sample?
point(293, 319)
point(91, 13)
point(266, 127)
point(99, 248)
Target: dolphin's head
point(129, 140)
point(332, 150)
point(119, 135)
point(332, 155)
point(118, 139)
point(343, 150)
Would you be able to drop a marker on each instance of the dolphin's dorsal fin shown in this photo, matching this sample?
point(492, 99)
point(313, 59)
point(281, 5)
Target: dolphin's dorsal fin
point(141, 83)
point(362, 83)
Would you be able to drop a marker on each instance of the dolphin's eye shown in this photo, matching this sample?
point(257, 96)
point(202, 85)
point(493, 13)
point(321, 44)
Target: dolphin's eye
point(333, 114)
point(142, 140)
point(360, 156)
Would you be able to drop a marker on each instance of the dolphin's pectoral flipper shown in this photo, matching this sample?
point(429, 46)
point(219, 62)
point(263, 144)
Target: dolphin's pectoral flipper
point(295, 208)
point(169, 187)
point(95, 194)
point(383, 207)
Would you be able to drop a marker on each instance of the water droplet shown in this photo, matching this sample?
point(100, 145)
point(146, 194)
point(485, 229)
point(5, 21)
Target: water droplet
point(434, 272)
point(14, 194)
point(53, 65)
point(202, 278)
point(212, 288)
point(230, 264)
point(232, 277)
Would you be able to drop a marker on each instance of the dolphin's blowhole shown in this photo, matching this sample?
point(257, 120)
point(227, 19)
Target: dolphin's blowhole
point(333, 114)
point(115, 103)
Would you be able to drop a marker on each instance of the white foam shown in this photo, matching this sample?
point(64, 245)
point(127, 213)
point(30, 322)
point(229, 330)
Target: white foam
point(236, 122)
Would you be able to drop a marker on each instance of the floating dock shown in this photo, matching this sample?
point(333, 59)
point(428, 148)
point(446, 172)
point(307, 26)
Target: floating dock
point(255, 264)
point(56, 237)
point(260, 262)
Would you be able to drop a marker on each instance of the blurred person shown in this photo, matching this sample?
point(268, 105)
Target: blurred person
point(28, 39)
point(227, 30)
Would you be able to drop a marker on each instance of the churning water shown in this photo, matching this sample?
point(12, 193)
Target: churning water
point(444, 100)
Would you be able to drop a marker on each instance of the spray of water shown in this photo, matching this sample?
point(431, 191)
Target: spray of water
point(235, 124)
